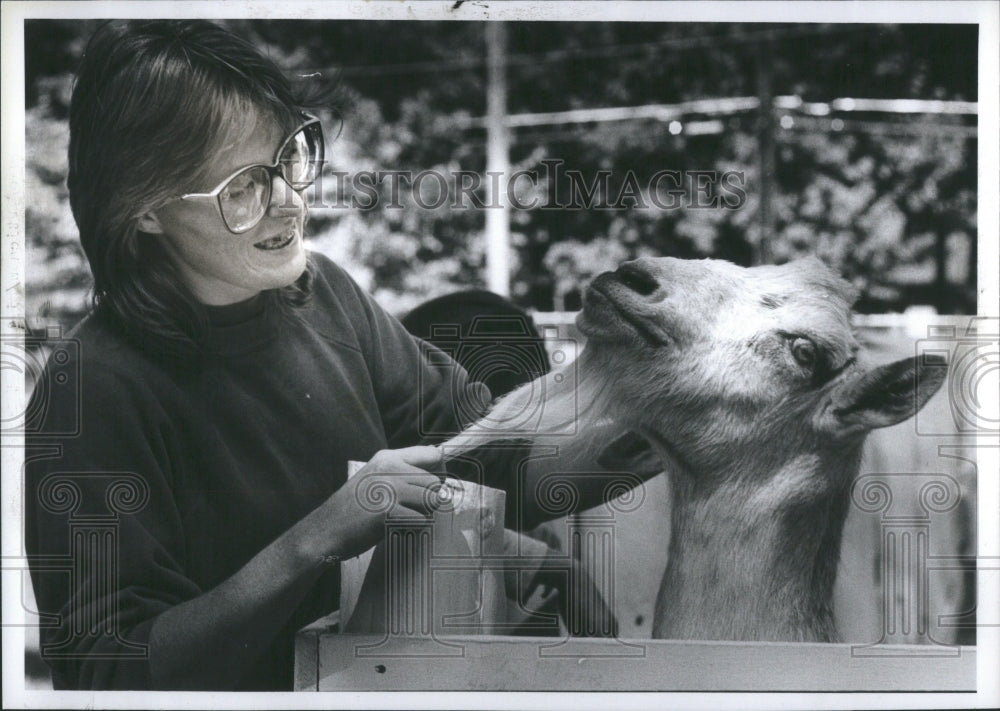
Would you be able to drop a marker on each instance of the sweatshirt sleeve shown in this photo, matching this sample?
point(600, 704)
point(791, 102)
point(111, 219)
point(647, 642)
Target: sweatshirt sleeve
point(101, 527)
point(423, 395)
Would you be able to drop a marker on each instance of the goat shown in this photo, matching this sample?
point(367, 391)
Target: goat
point(746, 387)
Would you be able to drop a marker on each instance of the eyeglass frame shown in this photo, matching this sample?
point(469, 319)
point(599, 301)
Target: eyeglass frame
point(272, 170)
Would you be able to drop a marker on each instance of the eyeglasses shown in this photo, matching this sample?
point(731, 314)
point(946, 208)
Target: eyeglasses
point(243, 197)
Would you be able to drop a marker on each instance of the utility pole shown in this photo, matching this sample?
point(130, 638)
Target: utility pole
point(497, 162)
point(765, 149)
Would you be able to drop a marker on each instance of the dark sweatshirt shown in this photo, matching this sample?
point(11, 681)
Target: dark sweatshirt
point(164, 481)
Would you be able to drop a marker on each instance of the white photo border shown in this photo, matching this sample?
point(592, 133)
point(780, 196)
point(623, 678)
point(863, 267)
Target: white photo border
point(984, 14)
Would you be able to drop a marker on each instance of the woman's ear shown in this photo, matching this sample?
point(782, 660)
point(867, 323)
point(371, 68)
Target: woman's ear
point(150, 223)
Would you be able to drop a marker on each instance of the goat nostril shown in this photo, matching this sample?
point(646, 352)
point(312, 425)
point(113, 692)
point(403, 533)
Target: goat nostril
point(637, 279)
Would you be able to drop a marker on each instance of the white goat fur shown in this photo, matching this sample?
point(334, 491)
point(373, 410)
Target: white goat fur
point(746, 385)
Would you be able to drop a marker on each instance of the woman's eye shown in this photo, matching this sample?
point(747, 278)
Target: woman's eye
point(238, 188)
point(804, 352)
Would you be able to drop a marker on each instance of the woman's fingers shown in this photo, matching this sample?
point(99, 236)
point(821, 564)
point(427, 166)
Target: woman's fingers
point(414, 489)
point(423, 494)
point(408, 472)
point(401, 477)
point(428, 459)
point(427, 497)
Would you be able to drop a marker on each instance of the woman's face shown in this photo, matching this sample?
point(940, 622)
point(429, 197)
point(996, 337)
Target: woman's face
point(220, 267)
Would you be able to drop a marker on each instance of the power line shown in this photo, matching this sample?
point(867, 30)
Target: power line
point(682, 43)
point(728, 106)
point(555, 56)
point(799, 124)
point(655, 112)
point(894, 106)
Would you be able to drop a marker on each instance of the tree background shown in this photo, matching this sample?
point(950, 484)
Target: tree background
point(889, 200)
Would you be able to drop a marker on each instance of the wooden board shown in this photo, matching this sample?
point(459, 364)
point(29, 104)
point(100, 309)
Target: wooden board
point(334, 662)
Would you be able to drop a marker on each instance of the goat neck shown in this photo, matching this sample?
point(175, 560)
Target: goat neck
point(753, 554)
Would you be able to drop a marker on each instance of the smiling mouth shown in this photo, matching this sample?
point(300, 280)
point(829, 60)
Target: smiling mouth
point(278, 241)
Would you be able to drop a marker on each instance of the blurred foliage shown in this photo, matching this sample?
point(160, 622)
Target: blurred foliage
point(888, 200)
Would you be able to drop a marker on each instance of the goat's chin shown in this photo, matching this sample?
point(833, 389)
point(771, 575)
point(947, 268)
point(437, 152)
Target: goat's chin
point(602, 325)
point(610, 320)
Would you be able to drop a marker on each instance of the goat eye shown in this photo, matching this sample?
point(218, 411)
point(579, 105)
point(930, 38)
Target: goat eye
point(804, 352)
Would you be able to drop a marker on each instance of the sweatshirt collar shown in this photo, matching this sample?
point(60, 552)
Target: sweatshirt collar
point(242, 327)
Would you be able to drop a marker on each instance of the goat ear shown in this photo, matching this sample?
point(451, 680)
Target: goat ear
point(887, 395)
point(631, 452)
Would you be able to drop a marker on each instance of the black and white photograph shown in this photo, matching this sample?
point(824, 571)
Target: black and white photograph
point(402, 354)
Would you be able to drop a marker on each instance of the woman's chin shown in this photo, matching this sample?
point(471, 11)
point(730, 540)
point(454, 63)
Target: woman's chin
point(292, 269)
point(281, 267)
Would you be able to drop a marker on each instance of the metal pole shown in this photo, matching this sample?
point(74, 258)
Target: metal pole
point(497, 163)
point(765, 147)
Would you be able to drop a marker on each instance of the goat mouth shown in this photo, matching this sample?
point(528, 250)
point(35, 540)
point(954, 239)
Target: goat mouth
point(604, 316)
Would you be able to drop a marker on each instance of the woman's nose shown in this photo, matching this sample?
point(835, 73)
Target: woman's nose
point(284, 199)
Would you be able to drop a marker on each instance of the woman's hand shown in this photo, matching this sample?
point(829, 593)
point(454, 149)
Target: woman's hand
point(397, 482)
point(210, 641)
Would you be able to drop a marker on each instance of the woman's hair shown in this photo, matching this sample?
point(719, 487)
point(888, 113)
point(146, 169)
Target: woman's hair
point(150, 102)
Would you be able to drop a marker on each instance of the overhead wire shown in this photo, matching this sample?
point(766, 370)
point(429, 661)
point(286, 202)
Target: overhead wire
point(708, 107)
point(801, 125)
point(553, 56)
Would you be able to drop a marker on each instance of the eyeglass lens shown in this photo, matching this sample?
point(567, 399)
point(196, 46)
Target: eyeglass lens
point(245, 198)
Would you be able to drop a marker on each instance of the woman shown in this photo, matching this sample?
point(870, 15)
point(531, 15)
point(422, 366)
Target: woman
point(194, 486)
